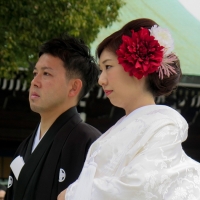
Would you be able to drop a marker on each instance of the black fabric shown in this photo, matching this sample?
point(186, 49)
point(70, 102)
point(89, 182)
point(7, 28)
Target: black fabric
point(64, 146)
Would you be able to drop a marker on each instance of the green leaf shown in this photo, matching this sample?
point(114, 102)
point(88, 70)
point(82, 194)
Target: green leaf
point(26, 24)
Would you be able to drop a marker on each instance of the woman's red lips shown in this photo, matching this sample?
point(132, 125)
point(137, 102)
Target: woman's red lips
point(108, 92)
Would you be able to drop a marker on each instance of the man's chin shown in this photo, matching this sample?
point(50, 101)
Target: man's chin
point(35, 109)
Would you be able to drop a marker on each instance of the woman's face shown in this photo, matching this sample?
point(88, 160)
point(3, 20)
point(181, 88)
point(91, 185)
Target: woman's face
point(124, 91)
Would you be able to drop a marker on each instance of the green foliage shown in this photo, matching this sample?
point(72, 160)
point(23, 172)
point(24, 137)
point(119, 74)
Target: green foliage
point(26, 24)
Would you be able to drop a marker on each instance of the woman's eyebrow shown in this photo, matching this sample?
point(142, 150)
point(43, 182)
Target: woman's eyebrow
point(106, 61)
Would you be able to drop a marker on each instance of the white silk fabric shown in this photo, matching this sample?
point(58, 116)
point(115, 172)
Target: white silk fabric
point(140, 158)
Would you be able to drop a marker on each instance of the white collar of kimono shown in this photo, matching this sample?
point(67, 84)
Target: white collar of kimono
point(128, 118)
point(37, 138)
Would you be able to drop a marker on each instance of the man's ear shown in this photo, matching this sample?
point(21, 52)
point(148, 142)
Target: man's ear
point(76, 86)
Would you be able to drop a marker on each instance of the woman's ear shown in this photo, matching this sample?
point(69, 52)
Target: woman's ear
point(76, 86)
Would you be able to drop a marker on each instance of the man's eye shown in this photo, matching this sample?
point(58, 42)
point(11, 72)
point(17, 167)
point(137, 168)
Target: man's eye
point(46, 74)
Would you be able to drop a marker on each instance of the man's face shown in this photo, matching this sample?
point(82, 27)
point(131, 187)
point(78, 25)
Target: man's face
point(2, 194)
point(49, 87)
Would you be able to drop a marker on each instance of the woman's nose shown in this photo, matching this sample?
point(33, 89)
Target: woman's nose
point(102, 79)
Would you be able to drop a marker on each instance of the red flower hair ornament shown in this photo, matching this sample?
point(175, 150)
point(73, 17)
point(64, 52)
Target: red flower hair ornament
point(142, 54)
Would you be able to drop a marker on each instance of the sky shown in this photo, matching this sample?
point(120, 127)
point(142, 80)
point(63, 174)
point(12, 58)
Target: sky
point(193, 6)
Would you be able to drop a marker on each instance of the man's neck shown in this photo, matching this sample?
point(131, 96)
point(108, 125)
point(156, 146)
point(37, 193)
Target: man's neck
point(47, 119)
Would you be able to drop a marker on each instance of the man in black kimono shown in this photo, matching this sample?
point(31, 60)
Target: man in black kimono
point(52, 157)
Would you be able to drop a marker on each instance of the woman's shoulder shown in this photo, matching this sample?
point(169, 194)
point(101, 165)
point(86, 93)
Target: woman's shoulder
point(163, 116)
point(171, 113)
point(157, 114)
point(150, 114)
point(163, 111)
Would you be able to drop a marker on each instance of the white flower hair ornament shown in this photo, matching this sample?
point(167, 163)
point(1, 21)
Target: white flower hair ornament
point(164, 38)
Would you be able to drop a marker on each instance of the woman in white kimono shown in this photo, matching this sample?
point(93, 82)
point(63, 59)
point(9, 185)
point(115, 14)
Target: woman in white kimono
point(140, 157)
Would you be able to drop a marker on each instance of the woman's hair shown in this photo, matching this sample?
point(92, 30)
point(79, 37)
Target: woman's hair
point(155, 85)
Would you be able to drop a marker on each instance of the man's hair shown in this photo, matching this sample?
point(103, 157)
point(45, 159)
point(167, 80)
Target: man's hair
point(77, 60)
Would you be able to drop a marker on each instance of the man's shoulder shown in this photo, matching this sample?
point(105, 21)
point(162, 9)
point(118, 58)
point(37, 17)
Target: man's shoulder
point(89, 128)
point(85, 130)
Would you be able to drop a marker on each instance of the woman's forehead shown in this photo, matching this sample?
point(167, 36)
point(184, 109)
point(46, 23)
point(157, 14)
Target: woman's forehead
point(107, 55)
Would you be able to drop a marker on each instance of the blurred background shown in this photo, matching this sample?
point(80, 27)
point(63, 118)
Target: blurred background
point(26, 24)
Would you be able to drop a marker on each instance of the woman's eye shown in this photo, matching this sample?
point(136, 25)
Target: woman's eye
point(108, 66)
point(34, 74)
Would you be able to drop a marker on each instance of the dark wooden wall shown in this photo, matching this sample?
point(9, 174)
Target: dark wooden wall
point(17, 121)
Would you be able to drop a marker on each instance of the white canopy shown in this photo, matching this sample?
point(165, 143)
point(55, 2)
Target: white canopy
point(181, 17)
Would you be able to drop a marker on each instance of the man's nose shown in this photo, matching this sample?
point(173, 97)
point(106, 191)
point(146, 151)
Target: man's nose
point(36, 81)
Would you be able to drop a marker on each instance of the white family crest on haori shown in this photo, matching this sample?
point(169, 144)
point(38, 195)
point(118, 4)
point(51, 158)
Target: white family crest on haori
point(62, 175)
point(10, 181)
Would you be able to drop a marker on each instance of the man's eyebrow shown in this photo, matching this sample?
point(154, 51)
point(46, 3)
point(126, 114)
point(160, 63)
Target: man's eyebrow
point(43, 68)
